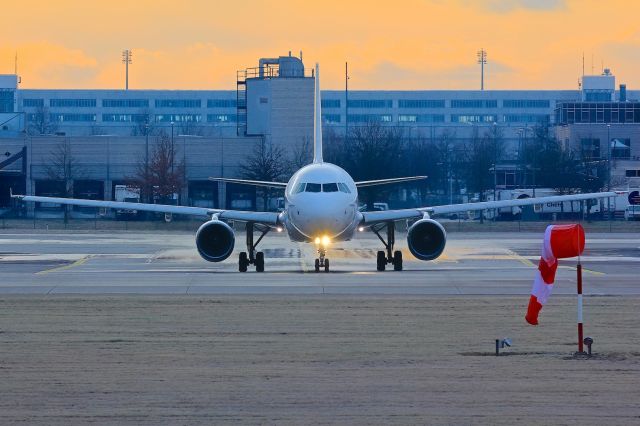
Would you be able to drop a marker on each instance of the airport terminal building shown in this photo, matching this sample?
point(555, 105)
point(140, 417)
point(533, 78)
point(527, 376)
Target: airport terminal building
point(213, 130)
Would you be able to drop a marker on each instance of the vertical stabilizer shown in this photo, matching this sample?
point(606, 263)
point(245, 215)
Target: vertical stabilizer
point(317, 121)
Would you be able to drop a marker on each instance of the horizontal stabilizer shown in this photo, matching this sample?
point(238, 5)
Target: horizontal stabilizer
point(364, 183)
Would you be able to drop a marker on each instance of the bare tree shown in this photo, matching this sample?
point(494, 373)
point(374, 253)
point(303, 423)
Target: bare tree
point(266, 163)
point(64, 167)
point(163, 175)
point(40, 122)
point(301, 155)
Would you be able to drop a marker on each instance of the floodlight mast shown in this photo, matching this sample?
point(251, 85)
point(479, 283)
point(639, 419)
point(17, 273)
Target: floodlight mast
point(482, 60)
point(126, 60)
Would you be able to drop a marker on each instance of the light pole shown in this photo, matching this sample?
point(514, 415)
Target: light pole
point(609, 169)
point(146, 157)
point(172, 148)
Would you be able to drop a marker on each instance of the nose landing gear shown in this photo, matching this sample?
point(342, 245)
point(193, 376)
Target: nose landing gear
point(253, 257)
point(322, 261)
point(393, 257)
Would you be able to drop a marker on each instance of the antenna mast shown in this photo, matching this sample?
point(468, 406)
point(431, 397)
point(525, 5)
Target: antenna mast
point(482, 60)
point(126, 60)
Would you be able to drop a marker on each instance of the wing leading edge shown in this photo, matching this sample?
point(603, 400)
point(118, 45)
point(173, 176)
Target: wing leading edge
point(391, 215)
point(250, 182)
point(267, 218)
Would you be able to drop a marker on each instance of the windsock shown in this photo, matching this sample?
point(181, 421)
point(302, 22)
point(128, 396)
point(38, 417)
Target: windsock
point(560, 241)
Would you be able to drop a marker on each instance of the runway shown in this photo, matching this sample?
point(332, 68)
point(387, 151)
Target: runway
point(168, 263)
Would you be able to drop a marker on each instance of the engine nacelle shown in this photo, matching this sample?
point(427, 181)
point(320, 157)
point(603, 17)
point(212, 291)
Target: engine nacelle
point(215, 240)
point(426, 239)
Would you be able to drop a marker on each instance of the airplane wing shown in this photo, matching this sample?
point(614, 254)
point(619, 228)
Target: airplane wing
point(266, 218)
point(393, 215)
point(250, 182)
point(364, 183)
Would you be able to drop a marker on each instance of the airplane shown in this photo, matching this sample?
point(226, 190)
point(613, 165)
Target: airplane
point(321, 207)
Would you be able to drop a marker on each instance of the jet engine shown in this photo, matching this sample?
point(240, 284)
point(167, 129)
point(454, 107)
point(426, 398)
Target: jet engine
point(215, 241)
point(426, 239)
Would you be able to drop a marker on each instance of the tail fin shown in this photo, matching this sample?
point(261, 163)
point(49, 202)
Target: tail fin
point(317, 120)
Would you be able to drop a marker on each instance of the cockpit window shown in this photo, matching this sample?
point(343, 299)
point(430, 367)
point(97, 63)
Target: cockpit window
point(329, 187)
point(344, 188)
point(299, 188)
point(313, 187)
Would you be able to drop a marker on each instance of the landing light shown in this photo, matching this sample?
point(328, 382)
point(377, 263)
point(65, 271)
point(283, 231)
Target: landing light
point(279, 229)
point(324, 240)
point(361, 229)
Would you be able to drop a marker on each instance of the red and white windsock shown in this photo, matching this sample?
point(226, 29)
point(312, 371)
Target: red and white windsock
point(560, 241)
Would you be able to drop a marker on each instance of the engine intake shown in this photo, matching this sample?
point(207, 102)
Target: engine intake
point(215, 240)
point(426, 239)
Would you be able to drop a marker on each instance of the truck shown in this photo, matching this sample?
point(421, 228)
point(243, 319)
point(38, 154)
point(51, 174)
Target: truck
point(128, 194)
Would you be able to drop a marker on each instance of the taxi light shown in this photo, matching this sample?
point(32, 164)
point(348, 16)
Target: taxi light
point(361, 229)
point(325, 240)
point(317, 240)
point(279, 229)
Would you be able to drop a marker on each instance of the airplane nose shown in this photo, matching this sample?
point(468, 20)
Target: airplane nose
point(323, 219)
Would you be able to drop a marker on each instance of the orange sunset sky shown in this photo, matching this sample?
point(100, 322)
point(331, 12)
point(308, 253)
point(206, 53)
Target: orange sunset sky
point(402, 44)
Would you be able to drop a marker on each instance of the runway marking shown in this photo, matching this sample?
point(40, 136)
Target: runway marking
point(588, 271)
point(520, 259)
point(303, 265)
point(64, 267)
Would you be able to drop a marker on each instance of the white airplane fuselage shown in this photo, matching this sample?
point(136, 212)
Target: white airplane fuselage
point(321, 200)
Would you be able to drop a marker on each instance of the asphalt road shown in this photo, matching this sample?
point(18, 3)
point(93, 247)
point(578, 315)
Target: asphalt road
point(168, 263)
point(135, 328)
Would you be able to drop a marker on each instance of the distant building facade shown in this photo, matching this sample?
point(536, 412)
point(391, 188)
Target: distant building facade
point(274, 103)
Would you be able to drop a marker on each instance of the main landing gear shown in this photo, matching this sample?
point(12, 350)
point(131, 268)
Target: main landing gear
point(322, 261)
point(393, 257)
point(253, 257)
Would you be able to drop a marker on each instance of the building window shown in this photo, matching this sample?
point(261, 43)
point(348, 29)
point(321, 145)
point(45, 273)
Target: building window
point(474, 103)
point(474, 118)
point(330, 103)
point(178, 103)
point(590, 148)
point(633, 173)
point(61, 118)
point(593, 96)
point(125, 103)
point(222, 103)
point(421, 118)
point(222, 118)
point(124, 118)
point(526, 118)
point(331, 118)
point(72, 103)
point(31, 103)
point(369, 103)
point(6, 100)
point(621, 148)
point(421, 103)
point(178, 118)
point(526, 103)
point(367, 118)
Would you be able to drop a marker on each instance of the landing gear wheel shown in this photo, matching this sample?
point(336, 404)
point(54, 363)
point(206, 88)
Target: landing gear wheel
point(317, 265)
point(259, 261)
point(326, 265)
point(382, 261)
point(243, 262)
point(397, 260)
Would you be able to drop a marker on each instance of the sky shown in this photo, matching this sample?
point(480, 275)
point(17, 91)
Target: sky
point(389, 45)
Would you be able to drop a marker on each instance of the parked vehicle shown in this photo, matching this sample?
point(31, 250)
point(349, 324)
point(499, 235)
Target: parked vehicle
point(128, 194)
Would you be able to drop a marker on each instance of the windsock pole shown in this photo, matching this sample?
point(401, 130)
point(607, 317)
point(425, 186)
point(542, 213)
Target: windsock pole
point(580, 332)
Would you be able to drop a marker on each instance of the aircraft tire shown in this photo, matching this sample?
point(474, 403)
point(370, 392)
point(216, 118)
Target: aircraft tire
point(243, 262)
point(326, 265)
point(397, 260)
point(317, 265)
point(259, 261)
point(381, 261)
